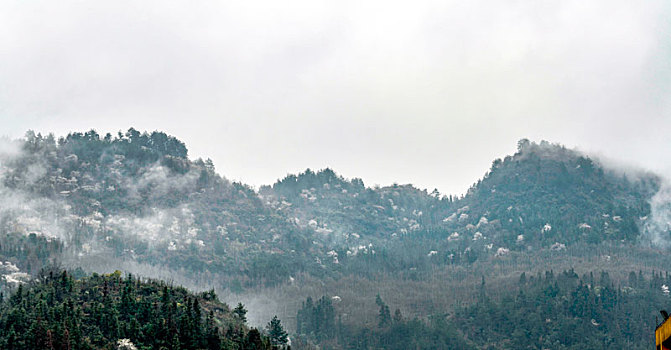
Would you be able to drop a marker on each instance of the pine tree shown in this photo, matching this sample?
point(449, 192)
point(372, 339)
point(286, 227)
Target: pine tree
point(398, 317)
point(277, 334)
point(253, 340)
point(241, 313)
point(196, 324)
point(384, 315)
point(212, 336)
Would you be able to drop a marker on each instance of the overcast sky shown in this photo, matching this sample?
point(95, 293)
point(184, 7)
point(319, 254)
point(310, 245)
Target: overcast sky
point(422, 92)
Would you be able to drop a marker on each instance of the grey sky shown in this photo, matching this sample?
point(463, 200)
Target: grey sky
point(426, 92)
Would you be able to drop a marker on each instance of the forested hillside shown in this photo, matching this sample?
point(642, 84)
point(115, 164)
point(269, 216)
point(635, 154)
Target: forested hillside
point(567, 311)
point(541, 311)
point(137, 197)
point(552, 194)
point(544, 197)
point(136, 202)
point(57, 311)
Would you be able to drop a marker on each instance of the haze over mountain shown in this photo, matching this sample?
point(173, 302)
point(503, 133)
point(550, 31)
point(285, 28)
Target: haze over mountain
point(359, 174)
point(425, 93)
point(136, 202)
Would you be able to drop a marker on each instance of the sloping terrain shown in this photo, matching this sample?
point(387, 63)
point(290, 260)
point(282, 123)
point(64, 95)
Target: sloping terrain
point(111, 311)
point(136, 202)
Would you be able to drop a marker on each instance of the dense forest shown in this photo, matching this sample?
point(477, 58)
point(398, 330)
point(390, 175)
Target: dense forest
point(137, 203)
point(543, 311)
point(137, 197)
point(56, 311)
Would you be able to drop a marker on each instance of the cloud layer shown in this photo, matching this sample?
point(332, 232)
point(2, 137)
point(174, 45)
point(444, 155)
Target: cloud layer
point(428, 92)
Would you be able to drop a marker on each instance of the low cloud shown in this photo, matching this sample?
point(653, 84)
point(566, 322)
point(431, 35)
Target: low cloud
point(657, 227)
point(390, 92)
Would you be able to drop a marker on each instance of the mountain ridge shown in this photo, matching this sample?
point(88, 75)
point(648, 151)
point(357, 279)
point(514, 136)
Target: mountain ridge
point(138, 193)
point(136, 202)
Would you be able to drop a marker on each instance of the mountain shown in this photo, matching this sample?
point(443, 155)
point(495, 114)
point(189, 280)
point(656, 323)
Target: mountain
point(542, 197)
point(137, 197)
point(341, 209)
point(549, 193)
point(136, 202)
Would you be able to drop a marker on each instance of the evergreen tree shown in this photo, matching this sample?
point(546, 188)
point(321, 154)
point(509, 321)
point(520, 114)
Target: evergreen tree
point(253, 340)
point(398, 317)
point(241, 313)
point(384, 315)
point(93, 313)
point(276, 333)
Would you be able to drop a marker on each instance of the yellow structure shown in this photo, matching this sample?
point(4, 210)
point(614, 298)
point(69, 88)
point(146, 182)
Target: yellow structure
point(663, 335)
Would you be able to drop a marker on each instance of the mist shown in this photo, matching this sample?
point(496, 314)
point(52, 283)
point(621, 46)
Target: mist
point(385, 92)
point(657, 227)
point(426, 93)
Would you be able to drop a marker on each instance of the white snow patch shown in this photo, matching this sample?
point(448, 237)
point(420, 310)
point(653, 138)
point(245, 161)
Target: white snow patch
point(8, 267)
point(17, 278)
point(323, 230)
point(450, 218)
point(125, 344)
point(502, 252)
